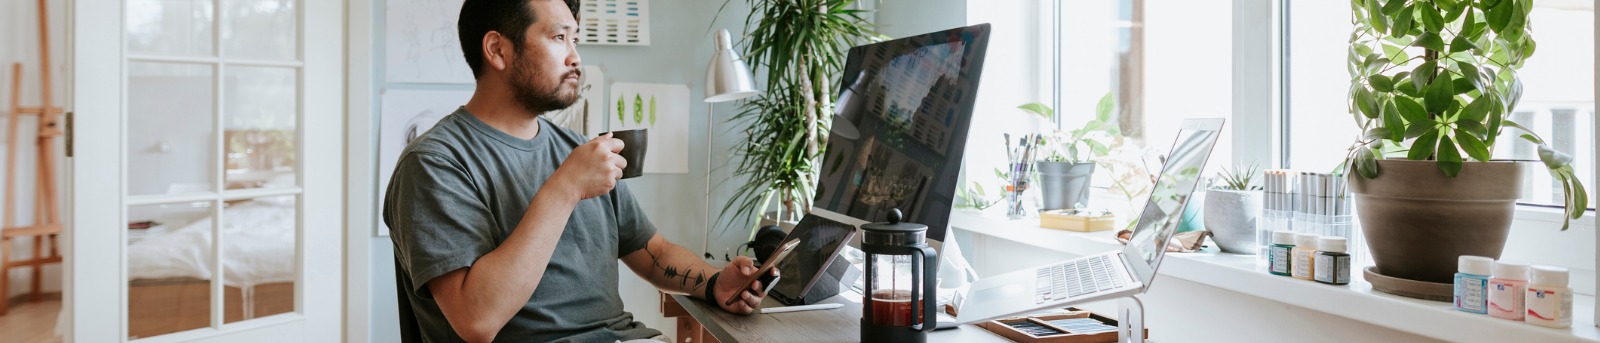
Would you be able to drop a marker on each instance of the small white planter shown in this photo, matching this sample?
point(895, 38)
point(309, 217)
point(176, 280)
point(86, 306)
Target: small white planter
point(1231, 216)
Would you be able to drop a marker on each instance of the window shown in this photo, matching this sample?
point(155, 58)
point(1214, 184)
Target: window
point(1557, 101)
point(1162, 61)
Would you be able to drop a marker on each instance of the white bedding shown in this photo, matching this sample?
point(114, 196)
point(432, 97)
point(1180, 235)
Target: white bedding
point(258, 247)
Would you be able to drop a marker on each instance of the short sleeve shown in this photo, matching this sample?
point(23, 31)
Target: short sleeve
point(633, 227)
point(436, 218)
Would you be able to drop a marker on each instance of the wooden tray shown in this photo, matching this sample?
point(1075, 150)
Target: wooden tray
point(1003, 328)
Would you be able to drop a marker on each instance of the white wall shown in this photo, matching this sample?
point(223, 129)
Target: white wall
point(19, 37)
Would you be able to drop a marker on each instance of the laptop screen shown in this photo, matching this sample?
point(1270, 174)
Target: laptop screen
point(1179, 176)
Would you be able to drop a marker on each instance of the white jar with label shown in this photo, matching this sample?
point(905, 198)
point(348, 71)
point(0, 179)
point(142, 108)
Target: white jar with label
point(1549, 300)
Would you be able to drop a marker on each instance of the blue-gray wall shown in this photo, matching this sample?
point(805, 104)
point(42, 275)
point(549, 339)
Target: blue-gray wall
point(679, 52)
point(901, 18)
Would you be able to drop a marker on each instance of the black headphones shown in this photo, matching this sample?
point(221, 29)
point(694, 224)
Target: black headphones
point(767, 240)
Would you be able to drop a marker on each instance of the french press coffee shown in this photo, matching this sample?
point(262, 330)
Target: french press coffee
point(901, 275)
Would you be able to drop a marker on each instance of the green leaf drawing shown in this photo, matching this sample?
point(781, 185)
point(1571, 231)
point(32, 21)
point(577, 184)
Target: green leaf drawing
point(638, 109)
point(652, 110)
point(619, 109)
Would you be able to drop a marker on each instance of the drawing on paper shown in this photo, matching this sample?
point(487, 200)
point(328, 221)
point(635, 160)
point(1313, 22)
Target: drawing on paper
point(422, 43)
point(662, 108)
point(615, 22)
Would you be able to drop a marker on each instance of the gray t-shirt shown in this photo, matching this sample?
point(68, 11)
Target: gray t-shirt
point(461, 188)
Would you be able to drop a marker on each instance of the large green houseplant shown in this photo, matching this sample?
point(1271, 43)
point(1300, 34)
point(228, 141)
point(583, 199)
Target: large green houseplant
point(1433, 86)
point(800, 46)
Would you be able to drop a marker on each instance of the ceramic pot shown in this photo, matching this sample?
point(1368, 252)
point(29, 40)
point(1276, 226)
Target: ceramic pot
point(1231, 216)
point(1418, 221)
point(1064, 184)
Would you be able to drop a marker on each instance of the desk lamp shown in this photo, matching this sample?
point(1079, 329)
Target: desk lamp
point(727, 79)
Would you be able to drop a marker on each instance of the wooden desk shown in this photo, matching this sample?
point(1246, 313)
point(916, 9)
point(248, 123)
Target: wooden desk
point(836, 325)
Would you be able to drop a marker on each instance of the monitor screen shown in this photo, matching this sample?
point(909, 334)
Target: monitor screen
point(901, 128)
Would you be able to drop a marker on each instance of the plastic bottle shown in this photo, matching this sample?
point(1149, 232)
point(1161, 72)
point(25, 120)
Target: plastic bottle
point(1332, 263)
point(1279, 253)
point(1305, 250)
point(1549, 298)
point(1472, 283)
point(1507, 290)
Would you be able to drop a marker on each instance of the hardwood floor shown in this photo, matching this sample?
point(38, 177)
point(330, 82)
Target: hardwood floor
point(31, 321)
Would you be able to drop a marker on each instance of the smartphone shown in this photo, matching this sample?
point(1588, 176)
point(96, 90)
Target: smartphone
point(765, 273)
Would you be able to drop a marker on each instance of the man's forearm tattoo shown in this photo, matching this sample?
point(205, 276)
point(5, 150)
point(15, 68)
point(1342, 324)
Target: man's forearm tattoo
point(698, 278)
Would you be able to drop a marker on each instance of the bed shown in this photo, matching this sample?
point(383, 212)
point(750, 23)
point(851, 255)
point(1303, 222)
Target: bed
point(169, 265)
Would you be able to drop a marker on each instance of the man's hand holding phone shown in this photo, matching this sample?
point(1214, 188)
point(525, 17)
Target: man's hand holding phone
point(741, 286)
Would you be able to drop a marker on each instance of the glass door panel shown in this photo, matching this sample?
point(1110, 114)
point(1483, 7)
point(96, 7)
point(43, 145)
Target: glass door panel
point(259, 122)
point(169, 268)
point(260, 29)
point(259, 259)
point(170, 135)
point(170, 27)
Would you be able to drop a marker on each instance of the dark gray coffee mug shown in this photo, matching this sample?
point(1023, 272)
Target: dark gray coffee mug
point(635, 142)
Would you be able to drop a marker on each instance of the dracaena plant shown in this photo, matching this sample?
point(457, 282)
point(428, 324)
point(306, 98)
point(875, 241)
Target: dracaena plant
point(800, 46)
point(1437, 80)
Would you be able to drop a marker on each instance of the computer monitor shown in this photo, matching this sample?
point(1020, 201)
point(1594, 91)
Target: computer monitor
point(900, 129)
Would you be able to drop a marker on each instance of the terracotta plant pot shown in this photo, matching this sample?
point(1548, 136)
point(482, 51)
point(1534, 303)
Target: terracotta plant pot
point(1418, 221)
point(1065, 185)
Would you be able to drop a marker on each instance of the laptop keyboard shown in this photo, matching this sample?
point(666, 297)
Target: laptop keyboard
point(1077, 277)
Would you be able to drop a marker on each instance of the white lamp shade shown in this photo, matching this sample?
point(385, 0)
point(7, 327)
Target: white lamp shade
point(728, 78)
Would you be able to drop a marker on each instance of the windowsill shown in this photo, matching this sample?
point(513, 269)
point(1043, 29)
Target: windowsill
point(1552, 215)
point(1243, 274)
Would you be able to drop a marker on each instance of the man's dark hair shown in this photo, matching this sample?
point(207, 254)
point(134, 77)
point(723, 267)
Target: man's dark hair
point(508, 17)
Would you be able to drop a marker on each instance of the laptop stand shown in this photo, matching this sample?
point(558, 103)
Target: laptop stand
point(1130, 320)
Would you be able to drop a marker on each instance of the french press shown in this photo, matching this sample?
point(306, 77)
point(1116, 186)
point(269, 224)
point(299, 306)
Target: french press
point(901, 275)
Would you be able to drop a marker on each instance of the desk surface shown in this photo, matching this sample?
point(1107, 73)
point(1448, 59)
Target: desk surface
point(835, 325)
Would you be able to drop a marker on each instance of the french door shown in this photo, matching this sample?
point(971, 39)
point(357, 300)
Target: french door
point(205, 184)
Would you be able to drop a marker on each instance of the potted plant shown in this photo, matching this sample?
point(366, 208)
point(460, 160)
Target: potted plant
point(788, 123)
point(1433, 86)
point(1232, 205)
point(1065, 173)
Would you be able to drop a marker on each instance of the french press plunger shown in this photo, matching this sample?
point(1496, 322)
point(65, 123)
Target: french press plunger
point(901, 275)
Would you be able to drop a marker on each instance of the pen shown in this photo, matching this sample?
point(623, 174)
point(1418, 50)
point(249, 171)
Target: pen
point(801, 308)
point(1011, 155)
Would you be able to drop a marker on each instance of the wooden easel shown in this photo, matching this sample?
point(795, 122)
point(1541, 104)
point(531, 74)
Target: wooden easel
point(47, 217)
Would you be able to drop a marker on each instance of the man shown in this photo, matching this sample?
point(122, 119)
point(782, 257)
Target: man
point(508, 228)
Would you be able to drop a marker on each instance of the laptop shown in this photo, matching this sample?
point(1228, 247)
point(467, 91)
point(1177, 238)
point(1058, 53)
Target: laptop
point(1112, 274)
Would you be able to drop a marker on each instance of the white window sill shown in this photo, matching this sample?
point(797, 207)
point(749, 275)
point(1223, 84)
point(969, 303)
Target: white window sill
point(1553, 215)
point(1245, 275)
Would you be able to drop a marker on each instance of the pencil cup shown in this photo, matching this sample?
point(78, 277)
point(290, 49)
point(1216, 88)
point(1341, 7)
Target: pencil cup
point(1015, 189)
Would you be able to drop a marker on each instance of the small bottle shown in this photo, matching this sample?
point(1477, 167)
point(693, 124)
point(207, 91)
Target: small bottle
point(1507, 290)
point(1549, 298)
point(1305, 250)
point(1333, 264)
point(1472, 283)
point(1278, 254)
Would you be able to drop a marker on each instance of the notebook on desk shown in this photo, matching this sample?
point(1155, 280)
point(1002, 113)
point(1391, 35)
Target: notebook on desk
point(1111, 274)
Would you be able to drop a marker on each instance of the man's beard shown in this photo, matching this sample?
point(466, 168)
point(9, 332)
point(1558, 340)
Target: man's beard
point(537, 97)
